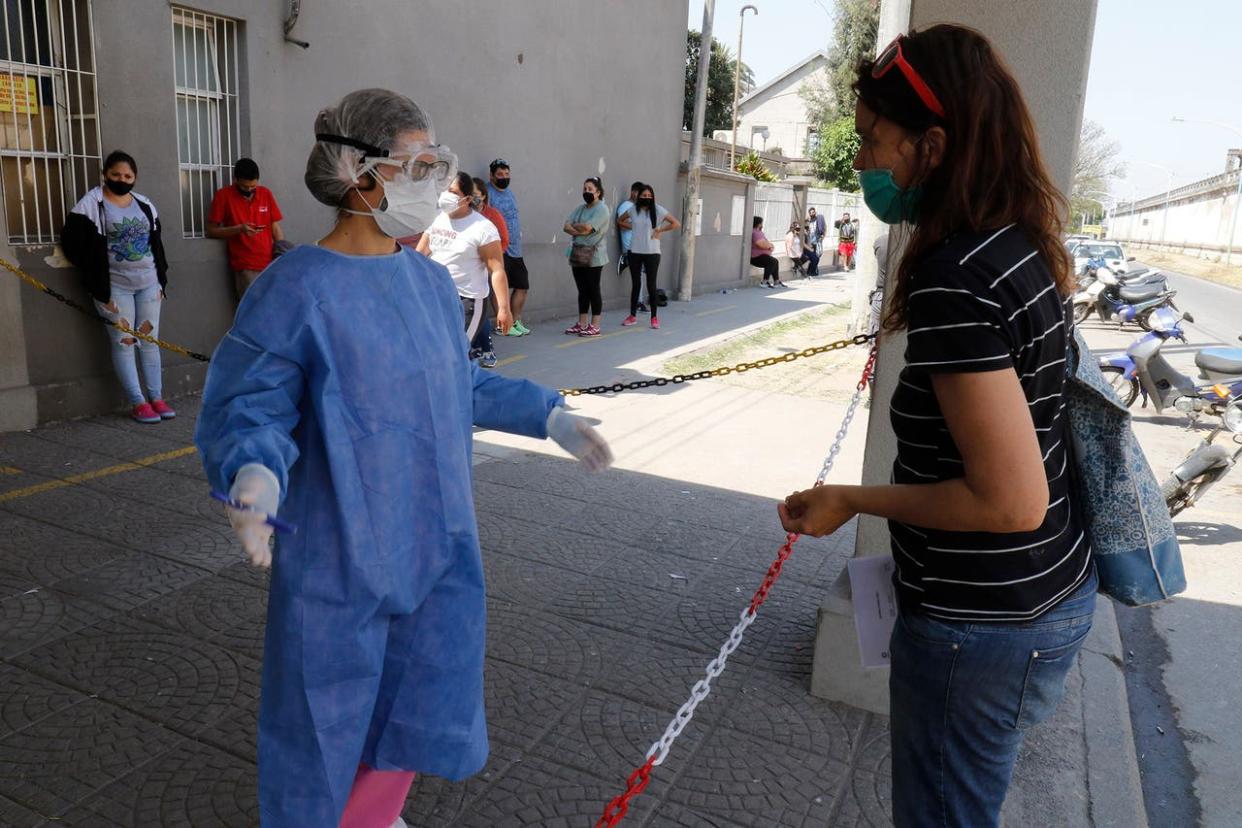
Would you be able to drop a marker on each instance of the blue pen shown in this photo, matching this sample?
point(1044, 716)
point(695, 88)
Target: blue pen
point(272, 521)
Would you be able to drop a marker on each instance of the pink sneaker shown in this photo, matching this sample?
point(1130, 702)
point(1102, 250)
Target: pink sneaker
point(163, 409)
point(575, 329)
point(144, 413)
point(629, 320)
point(655, 323)
point(590, 330)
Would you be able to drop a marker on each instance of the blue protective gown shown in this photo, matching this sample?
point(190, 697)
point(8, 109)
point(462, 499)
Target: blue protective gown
point(347, 376)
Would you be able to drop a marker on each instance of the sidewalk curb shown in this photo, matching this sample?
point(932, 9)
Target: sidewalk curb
point(1114, 787)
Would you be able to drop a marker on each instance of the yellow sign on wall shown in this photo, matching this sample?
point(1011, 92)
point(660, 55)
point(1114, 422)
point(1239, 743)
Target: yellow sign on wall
point(18, 94)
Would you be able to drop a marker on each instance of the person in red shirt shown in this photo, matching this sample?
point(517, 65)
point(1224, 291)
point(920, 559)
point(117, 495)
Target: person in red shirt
point(247, 215)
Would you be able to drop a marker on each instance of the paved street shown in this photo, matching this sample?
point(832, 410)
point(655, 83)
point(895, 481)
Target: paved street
point(133, 631)
point(1180, 667)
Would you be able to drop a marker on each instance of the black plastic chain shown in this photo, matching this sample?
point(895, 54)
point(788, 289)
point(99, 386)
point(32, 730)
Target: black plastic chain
point(660, 382)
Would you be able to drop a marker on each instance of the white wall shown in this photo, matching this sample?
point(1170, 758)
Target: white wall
point(782, 110)
point(1200, 224)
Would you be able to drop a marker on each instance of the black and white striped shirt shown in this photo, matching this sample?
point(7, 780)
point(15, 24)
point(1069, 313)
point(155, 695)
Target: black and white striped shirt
point(985, 302)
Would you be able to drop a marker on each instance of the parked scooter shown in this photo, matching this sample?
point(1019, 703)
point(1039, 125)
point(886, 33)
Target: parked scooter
point(1206, 465)
point(1143, 369)
point(1120, 298)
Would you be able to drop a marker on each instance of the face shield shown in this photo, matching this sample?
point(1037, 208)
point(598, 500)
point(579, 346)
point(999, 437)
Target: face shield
point(412, 174)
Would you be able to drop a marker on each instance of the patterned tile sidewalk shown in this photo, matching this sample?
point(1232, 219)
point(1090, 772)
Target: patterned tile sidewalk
point(129, 662)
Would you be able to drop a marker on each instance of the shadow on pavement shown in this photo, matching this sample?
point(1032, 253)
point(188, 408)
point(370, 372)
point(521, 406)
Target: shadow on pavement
point(1207, 534)
point(129, 663)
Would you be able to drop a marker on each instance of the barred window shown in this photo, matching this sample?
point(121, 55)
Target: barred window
point(208, 128)
point(49, 129)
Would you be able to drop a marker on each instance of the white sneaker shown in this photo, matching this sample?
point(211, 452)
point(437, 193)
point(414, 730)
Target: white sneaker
point(400, 823)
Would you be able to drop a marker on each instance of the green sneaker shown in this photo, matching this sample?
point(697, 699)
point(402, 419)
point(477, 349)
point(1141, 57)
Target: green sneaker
point(519, 329)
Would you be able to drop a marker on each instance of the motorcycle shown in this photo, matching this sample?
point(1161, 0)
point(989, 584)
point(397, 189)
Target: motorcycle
point(1143, 369)
point(1120, 298)
point(1206, 465)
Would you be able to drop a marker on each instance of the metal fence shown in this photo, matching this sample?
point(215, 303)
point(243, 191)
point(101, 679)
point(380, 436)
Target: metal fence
point(832, 203)
point(775, 204)
point(49, 129)
point(206, 65)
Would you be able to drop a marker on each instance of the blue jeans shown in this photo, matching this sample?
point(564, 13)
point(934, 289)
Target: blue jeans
point(812, 259)
point(962, 694)
point(136, 309)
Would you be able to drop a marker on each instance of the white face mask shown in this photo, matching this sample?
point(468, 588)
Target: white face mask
point(408, 206)
point(449, 201)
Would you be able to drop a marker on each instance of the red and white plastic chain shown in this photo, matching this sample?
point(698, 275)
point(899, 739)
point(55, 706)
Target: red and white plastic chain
point(638, 780)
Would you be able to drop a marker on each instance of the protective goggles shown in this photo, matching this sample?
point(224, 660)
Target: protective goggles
point(892, 56)
point(425, 161)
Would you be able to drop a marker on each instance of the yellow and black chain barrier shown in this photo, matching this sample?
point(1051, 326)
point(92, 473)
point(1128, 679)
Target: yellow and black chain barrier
point(615, 388)
point(659, 382)
point(60, 297)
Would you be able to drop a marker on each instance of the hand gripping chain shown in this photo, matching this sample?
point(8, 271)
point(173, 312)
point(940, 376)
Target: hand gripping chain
point(658, 752)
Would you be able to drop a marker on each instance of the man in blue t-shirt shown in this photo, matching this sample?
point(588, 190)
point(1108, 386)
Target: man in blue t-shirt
point(501, 197)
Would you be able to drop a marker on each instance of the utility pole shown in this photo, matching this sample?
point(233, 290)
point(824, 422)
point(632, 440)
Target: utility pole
point(737, 82)
point(694, 166)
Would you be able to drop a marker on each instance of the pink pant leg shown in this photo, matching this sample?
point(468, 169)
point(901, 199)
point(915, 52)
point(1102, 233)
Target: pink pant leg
point(377, 798)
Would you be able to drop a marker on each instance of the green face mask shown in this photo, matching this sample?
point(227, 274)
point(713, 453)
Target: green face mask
point(890, 203)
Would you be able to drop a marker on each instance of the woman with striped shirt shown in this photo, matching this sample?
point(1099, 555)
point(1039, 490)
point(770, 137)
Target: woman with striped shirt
point(994, 575)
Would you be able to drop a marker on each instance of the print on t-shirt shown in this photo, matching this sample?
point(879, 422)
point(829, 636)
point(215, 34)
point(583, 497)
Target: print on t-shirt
point(129, 240)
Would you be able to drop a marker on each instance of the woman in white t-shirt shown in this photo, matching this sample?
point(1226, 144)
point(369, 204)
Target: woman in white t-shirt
point(469, 246)
point(648, 221)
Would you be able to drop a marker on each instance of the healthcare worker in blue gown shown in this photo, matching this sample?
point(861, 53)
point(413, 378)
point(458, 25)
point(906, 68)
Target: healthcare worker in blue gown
point(342, 399)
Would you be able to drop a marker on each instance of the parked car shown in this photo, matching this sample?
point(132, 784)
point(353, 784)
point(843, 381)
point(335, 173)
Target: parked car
point(1110, 251)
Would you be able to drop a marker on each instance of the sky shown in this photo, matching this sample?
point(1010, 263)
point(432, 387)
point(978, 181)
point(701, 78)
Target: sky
point(1151, 60)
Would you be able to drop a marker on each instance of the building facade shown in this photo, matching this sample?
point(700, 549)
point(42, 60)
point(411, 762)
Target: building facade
point(1198, 218)
point(774, 117)
point(186, 89)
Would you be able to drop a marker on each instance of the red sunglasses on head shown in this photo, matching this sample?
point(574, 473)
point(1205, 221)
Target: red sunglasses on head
point(892, 56)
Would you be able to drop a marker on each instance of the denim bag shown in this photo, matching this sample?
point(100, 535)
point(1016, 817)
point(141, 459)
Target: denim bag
point(1132, 537)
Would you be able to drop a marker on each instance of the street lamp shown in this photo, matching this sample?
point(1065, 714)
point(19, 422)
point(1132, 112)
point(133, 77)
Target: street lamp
point(1237, 204)
point(1109, 205)
point(1164, 222)
point(737, 82)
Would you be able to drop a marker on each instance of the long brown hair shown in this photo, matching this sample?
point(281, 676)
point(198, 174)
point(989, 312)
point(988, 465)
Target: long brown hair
point(992, 173)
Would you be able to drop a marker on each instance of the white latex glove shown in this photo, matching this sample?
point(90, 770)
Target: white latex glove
point(257, 487)
point(577, 437)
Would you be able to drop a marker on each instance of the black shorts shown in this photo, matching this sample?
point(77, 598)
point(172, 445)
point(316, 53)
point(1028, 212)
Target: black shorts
point(515, 269)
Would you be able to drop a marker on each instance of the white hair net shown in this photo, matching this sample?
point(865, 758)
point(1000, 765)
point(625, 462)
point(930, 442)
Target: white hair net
point(369, 121)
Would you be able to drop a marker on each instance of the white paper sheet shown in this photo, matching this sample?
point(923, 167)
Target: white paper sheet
point(875, 607)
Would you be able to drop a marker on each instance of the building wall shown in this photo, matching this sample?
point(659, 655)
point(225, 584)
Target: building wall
point(1198, 225)
point(782, 110)
point(720, 255)
point(498, 79)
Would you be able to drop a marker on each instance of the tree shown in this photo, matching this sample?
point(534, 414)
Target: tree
point(1096, 166)
point(834, 156)
point(719, 113)
point(827, 94)
point(854, 34)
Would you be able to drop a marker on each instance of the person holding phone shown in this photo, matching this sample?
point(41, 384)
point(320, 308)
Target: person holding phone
point(246, 215)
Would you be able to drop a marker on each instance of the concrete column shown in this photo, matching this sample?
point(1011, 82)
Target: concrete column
point(1047, 45)
point(17, 398)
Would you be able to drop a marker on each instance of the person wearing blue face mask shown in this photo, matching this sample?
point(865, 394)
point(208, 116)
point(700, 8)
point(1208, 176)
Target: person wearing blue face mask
point(995, 582)
point(342, 398)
